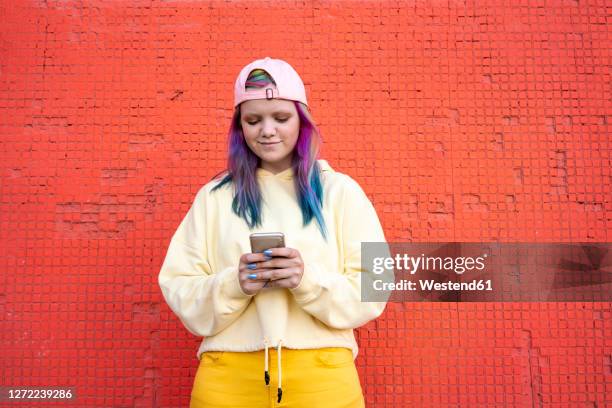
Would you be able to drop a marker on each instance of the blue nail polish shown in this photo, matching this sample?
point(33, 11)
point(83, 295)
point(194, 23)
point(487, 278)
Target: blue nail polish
point(268, 252)
point(267, 258)
point(252, 266)
point(252, 276)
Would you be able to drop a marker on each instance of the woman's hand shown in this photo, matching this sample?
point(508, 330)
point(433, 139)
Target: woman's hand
point(283, 270)
point(249, 266)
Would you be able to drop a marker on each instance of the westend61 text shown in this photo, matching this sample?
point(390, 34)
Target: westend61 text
point(475, 285)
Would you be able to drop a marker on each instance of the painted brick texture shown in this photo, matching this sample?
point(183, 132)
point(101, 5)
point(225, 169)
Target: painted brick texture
point(462, 120)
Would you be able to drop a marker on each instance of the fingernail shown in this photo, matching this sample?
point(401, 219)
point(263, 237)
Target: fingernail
point(252, 266)
point(252, 276)
point(268, 258)
point(268, 252)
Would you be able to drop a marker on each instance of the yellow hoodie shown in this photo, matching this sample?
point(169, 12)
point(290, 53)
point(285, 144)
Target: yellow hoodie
point(199, 276)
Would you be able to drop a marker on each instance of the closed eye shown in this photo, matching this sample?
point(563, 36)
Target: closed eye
point(282, 120)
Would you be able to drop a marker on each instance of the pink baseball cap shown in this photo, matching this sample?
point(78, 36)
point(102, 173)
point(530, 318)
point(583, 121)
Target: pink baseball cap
point(289, 85)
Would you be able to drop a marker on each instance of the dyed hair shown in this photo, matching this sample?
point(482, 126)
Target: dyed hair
point(258, 78)
point(243, 163)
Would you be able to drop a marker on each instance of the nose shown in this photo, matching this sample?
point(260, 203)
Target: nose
point(268, 128)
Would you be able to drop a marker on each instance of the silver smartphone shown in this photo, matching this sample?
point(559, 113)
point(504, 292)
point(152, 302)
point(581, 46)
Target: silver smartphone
point(260, 241)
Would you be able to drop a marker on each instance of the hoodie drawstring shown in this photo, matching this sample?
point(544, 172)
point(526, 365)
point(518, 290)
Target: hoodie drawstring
point(279, 392)
point(266, 373)
point(280, 388)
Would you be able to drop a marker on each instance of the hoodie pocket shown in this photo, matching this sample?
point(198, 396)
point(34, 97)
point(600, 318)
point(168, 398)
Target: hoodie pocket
point(212, 358)
point(334, 357)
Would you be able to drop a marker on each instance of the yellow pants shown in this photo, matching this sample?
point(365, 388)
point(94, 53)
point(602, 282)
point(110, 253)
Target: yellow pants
point(323, 378)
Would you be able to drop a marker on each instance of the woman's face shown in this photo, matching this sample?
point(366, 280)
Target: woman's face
point(271, 128)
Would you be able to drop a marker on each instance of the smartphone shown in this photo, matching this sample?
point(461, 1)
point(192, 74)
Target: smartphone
point(260, 241)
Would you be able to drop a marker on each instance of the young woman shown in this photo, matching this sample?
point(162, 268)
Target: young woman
point(278, 325)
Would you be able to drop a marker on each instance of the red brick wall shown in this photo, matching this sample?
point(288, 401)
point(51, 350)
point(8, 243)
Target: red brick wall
point(462, 120)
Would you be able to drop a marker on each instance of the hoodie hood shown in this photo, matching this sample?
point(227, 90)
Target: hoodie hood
point(288, 174)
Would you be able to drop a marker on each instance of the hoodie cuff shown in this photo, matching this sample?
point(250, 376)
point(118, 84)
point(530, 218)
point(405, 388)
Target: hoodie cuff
point(230, 286)
point(309, 287)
